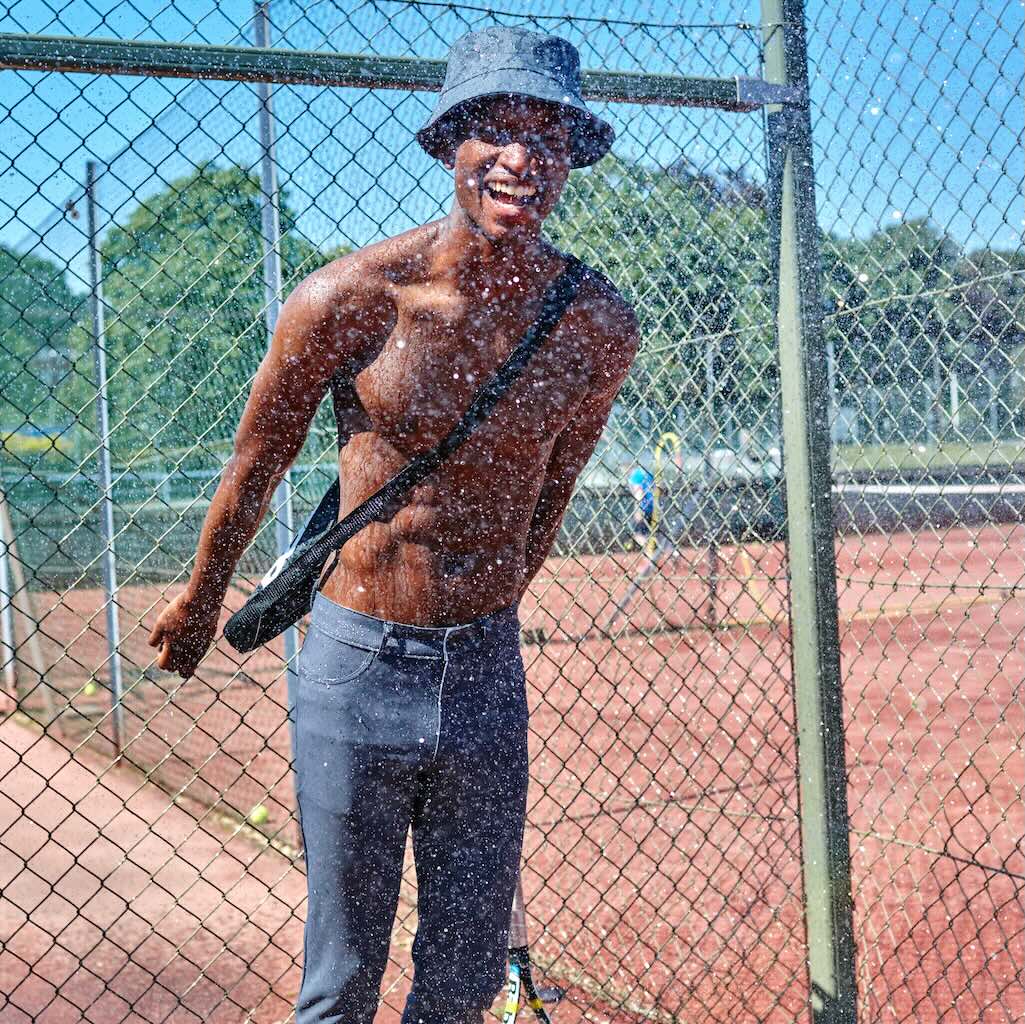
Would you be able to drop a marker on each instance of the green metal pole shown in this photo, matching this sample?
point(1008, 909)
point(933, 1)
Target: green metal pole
point(813, 599)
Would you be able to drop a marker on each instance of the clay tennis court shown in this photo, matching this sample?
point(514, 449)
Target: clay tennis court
point(663, 846)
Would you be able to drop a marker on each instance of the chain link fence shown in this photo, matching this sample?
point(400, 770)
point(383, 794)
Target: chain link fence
point(919, 159)
point(150, 857)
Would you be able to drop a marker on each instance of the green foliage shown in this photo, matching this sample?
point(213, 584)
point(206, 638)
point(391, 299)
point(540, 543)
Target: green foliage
point(37, 312)
point(884, 291)
point(691, 254)
point(183, 287)
point(907, 310)
point(988, 320)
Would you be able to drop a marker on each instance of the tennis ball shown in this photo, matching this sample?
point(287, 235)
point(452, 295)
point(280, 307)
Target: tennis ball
point(89, 689)
point(258, 815)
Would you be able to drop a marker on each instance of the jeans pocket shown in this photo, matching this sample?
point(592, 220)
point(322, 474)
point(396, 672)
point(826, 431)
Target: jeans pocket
point(329, 661)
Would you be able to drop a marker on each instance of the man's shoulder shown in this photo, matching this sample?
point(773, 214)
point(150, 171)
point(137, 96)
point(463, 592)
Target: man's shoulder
point(607, 313)
point(367, 273)
point(350, 303)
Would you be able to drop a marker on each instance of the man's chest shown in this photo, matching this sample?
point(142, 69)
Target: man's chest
point(437, 359)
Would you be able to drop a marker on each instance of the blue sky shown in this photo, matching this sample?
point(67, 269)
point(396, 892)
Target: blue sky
point(917, 110)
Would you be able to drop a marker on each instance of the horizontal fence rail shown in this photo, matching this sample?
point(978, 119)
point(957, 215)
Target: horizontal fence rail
point(256, 64)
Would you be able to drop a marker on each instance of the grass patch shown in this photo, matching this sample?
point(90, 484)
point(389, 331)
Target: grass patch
point(996, 455)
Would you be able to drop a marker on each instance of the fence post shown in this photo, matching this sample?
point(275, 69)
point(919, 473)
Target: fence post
point(103, 427)
point(936, 398)
point(8, 643)
point(713, 501)
point(813, 597)
point(832, 399)
point(271, 228)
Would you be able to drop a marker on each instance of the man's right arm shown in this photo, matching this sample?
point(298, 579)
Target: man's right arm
point(326, 325)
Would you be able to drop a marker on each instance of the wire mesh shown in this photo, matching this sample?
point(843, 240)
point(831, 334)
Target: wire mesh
point(662, 855)
point(917, 173)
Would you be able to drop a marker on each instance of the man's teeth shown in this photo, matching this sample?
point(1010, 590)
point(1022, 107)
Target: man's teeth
point(519, 191)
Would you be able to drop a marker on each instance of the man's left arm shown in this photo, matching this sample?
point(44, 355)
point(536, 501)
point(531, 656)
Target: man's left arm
point(576, 443)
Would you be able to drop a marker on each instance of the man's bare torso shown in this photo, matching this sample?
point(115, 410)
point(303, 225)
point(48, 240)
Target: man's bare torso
point(404, 333)
point(457, 549)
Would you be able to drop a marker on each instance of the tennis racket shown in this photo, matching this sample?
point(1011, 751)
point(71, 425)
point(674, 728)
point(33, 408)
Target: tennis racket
point(521, 987)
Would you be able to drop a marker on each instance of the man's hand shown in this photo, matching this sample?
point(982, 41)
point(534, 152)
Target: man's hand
point(183, 633)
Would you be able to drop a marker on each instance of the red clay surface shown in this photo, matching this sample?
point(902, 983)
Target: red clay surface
point(662, 852)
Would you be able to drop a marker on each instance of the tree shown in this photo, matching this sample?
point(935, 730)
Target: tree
point(183, 288)
point(907, 312)
point(37, 312)
point(690, 253)
point(890, 323)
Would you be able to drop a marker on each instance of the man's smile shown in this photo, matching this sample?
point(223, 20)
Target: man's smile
point(510, 193)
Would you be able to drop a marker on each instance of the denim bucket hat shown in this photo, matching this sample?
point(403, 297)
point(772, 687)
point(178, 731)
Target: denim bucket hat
point(502, 61)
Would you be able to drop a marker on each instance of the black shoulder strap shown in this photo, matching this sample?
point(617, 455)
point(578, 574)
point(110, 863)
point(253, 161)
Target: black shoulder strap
point(385, 502)
point(560, 294)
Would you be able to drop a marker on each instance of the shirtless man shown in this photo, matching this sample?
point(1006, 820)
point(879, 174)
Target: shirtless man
point(410, 707)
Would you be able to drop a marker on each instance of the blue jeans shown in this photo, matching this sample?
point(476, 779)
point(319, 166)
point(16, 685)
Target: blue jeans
point(400, 726)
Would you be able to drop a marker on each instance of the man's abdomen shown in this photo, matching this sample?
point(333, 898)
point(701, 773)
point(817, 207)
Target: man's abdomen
point(425, 586)
point(456, 551)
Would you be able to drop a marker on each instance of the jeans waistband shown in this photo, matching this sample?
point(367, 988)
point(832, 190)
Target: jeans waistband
point(373, 634)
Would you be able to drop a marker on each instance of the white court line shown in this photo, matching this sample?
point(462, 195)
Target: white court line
point(913, 489)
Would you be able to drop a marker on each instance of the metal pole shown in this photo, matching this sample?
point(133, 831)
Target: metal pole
point(21, 599)
point(103, 427)
point(831, 394)
point(712, 500)
point(994, 403)
point(271, 226)
point(806, 445)
point(81, 54)
point(936, 404)
point(7, 639)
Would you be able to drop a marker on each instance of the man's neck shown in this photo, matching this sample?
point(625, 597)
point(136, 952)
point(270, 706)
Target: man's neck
point(476, 261)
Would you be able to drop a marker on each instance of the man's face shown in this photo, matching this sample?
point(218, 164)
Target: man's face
point(512, 164)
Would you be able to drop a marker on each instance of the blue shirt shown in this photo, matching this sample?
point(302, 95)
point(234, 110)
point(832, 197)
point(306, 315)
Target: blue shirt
point(642, 478)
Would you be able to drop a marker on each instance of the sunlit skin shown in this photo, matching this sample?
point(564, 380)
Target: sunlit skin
point(403, 333)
